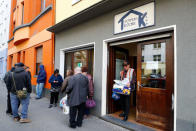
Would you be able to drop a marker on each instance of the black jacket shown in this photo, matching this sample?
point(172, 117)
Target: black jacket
point(22, 80)
point(77, 90)
point(7, 74)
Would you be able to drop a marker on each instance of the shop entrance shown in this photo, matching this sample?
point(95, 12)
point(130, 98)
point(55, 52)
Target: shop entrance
point(151, 102)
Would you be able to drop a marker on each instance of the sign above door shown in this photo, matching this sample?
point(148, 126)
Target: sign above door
point(140, 17)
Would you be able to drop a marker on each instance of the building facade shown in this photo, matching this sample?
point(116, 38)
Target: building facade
point(157, 37)
point(4, 34)
point(29, 42)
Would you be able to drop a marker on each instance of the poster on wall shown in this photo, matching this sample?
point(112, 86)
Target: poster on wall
point(140, 17)
point(75, 1)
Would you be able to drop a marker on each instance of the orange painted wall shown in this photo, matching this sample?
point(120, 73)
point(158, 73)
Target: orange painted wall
point(27, 54)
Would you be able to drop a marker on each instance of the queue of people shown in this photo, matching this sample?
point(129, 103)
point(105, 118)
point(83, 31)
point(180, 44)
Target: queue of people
point(78, 85)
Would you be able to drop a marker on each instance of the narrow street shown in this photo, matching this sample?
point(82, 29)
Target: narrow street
point(45, 119)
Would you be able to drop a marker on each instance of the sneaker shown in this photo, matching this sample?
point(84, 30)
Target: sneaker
point(16, 119)
point(25, 120)
point(125, 118)
point(55, 105)
point(50, 106)
point(122, 115)
point(37, 98)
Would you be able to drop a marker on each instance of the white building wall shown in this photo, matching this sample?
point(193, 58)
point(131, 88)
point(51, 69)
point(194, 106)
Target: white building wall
point(5, 6)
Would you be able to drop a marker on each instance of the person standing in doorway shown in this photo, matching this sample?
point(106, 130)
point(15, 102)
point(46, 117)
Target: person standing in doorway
point(91, 89)
point(9, 108)
point(127, 73)
point(19, 80)
point(41, 78)
point(56, 81)
point(77, 91)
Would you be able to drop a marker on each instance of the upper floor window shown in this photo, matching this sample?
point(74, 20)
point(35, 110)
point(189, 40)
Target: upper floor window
point(22, 21)
point(43, 4)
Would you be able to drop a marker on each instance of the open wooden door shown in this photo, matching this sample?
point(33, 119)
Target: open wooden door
point(116, 57)
point(155, 83)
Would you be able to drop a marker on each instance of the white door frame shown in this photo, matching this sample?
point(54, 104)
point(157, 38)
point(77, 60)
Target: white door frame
point(129, 36)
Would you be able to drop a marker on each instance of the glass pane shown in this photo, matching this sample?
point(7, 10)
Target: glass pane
point(153, 72)
point(80, 58)
point(120, 57)
point(90, 61)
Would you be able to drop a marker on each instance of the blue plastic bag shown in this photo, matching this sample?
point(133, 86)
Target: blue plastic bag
point(115, 96)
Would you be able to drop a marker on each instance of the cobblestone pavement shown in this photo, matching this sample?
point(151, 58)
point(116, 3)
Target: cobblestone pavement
point(45, 119)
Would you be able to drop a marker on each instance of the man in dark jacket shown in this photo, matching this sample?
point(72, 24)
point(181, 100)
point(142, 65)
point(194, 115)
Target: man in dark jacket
point(77, 91)
point(19, 80)
point(41, 78)
point(9, 108)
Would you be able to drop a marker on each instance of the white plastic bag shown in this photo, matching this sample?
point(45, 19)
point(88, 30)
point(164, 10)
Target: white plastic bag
point(64, 105)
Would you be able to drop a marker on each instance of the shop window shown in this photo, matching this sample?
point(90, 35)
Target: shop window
point(82, 58)
point(39, 58)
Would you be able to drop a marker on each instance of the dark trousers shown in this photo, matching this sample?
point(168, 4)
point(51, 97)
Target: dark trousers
point(76, 111)
point(125, 103)
point(9, 108)
point(86, 111)
point(54, 97)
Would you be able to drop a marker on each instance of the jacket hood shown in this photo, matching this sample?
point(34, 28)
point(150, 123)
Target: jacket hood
point(41, 67)
point(19, 69)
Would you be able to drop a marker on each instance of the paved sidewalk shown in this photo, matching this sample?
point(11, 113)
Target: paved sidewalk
point(45, 119)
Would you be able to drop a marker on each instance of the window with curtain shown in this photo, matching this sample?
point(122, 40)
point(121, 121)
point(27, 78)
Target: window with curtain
point(39, 58)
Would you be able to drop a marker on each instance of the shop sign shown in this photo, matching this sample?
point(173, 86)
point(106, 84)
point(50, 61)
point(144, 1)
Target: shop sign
point(75, 1)
point(140, 17)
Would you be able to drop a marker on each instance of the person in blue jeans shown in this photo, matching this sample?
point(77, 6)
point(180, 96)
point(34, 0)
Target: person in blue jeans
point(25, 104)
point(19, 80)
point(40, 81)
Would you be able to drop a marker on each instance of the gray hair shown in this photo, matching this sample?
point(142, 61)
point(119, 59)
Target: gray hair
point(77, 70)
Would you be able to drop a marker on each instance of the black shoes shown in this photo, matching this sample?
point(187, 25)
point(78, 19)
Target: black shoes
point(72, 126)
point(122, 115)
point(9, 113)
point(79, 125)
point(125, 118)
point(50, 106)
